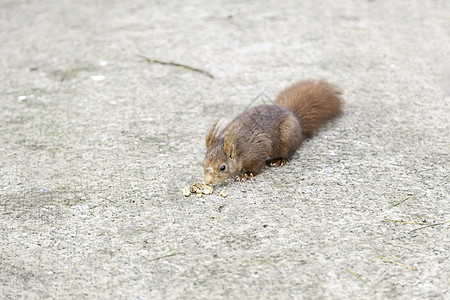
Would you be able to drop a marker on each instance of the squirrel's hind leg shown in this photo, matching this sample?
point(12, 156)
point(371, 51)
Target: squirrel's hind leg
point(291, 138)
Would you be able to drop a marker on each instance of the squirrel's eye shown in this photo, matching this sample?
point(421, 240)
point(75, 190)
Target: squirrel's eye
point(222, 168)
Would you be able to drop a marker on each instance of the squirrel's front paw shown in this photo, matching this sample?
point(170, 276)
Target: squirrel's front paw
point(277, 162)
point(244, 176)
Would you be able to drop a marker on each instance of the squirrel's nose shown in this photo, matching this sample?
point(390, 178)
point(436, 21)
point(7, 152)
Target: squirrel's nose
point(208, 179)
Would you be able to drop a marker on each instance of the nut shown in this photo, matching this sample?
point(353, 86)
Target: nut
point(199, 189)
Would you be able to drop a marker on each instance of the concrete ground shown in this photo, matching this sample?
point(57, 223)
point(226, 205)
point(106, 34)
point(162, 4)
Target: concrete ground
point(96, 144)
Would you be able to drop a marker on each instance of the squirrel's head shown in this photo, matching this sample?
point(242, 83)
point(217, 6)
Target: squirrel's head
point(220, 162)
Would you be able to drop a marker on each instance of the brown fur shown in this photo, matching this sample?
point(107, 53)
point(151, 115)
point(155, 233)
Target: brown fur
point(212, 133)
point(269, 131)
point(313, 102)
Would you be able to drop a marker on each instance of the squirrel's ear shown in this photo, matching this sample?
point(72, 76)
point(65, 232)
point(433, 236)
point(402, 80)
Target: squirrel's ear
point(229, 146)
point(211, 136)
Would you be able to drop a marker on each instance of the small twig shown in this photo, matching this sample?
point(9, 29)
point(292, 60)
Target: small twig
point(356, 275)
point(272, 265)
point(165, 256)
point(168, 63)
point(269, 263)
point(398, 203)
point(221, 208)
point(431, 225)
point(397, 263)
point(404, 222)
point(106, 198)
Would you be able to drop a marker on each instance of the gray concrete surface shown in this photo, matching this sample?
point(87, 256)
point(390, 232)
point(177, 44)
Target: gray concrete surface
point(96, 144)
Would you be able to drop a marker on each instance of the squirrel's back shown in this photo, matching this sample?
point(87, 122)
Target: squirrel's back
point(313, 102)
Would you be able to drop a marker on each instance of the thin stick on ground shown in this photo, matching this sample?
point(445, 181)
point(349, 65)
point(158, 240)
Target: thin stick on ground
point(356, 275)
point(271, 264)
point(431, 225)
point(165, 256)
point(397, 263)
point(399, 202)
point(106, 198)
point(168, 63)
point(404, 222)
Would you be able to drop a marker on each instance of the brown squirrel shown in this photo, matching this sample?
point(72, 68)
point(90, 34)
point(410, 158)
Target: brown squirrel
point(273, 131)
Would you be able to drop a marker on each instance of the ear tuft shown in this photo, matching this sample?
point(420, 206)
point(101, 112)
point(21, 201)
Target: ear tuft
point(229, 145)
point(211, 136)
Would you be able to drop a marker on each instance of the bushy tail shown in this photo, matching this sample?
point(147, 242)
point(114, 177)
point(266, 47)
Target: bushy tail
point(313, 102)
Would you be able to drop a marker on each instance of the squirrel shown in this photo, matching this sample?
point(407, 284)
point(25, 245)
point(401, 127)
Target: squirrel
point(269, 132)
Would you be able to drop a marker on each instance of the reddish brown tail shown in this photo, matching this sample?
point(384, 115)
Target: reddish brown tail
point(313, 102)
